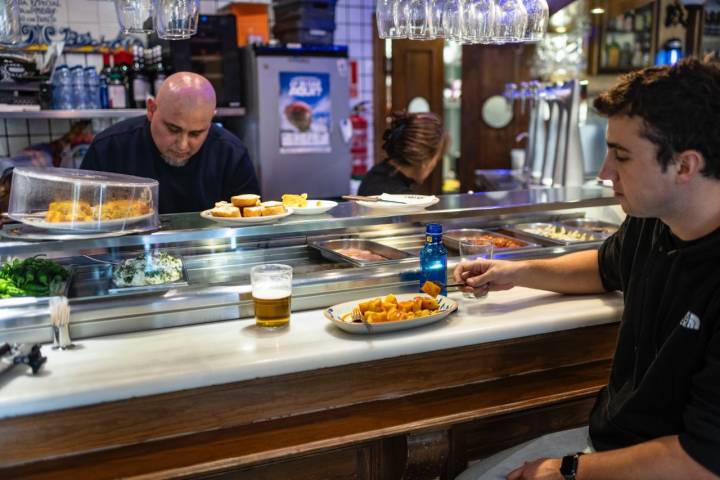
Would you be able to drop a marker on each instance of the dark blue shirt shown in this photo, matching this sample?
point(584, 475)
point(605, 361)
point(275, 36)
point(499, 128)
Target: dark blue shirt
point(219, 170)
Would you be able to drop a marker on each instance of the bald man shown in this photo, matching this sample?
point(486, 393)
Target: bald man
point(195, 162)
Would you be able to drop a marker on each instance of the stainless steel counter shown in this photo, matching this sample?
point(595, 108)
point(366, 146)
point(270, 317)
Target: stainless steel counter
point(218, 259)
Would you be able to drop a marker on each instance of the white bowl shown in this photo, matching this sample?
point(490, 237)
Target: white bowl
point(315, 207)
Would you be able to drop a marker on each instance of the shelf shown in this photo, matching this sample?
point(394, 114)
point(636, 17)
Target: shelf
point(105, 113)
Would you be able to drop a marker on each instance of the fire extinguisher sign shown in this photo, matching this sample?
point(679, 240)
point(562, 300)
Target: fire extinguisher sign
point(305, 110)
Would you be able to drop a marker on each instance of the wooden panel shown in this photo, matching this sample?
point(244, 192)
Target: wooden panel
point(417, 71)
point(254, 444)
point(240, 425)
point(485, 71)
point(480, 439)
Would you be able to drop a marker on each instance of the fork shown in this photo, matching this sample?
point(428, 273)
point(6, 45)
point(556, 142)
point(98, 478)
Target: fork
point(358, 316)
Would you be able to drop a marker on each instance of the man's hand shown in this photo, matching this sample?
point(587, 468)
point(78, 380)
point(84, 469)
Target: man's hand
point(540, 469)
point(481, 276)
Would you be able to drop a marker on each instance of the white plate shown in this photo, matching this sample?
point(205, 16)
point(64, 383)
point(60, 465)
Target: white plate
point(415, 203)
point(37, 220)
point(337, 312)
point(246, 220)
point(313, 208)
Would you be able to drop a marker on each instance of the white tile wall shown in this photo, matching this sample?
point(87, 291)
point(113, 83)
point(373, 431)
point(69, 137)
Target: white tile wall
point(353, 20)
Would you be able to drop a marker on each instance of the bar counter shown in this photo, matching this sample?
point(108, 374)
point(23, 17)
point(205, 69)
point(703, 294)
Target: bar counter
point(179, 383)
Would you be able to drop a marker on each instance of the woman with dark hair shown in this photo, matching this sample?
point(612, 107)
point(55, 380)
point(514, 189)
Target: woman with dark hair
point(414, 144)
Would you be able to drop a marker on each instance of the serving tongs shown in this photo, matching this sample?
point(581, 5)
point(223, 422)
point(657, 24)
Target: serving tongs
point(373, 198)
point(24, 353)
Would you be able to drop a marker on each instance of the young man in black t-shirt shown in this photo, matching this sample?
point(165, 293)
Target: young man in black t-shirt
point(659, 415)
point(195, 162)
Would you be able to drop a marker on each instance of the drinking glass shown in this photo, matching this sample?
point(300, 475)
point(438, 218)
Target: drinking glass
point(473, 249)
point(511, 21)
point(436, 27)
point(386, 19)
point(135, 16)
point(479, 21)
point(452, 20)
point(176, 19)
point(271, 292)
point(537, 20)
point(419, 21)
point(9, 22)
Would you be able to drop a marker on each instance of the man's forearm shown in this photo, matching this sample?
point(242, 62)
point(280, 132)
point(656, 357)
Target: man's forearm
point(573, 273)
point(659, 459)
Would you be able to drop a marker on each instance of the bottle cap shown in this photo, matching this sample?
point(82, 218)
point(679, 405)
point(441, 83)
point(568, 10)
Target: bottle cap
point(433, 228)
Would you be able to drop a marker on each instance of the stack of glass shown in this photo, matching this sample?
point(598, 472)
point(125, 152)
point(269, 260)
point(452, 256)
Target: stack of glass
point(490, 22)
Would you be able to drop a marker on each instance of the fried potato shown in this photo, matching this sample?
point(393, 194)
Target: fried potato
point(389, 309)
point(432, 289)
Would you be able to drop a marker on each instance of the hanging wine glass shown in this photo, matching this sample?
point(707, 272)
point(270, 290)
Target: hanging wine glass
point(511, 21)
point(420, 20)
point(9, 22)
point(385, 15)
point(479, 17)
point(177, 19)
point(537, 20)
point(452, 20)
point(135, 16)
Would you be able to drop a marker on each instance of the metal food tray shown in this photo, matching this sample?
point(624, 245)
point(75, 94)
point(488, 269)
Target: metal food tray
point(328, 250)
point(522, 228)
point(602, 228)
point(451, 238)
point(182, 282)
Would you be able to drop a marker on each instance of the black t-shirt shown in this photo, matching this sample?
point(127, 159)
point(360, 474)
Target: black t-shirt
point(219, 170)
point(665, 378)
point(384, 178)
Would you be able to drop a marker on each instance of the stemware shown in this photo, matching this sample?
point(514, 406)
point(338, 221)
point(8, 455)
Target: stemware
point(537, 20)
point(9, 22)
point(176, 19)
point(135, 16)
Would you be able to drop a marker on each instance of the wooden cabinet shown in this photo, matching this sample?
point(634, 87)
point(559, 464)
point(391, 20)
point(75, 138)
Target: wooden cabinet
point(624, 40)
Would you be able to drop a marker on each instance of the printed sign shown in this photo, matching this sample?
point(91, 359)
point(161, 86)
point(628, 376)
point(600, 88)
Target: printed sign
point(305, 109)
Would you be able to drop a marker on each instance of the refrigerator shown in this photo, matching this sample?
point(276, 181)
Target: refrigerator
point(297, 123)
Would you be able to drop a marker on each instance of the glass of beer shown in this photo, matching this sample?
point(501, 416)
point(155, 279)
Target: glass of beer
point(271, 291)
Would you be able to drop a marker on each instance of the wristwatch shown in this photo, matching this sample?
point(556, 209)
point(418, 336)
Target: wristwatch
point(569, 466)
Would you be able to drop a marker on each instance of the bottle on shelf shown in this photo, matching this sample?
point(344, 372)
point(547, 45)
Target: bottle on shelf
point(92, 85)
point(79, 92)
point(159, 69)
point(139, 83)
point(62, 88)
point(104, 79)
point(117, 91)
point(433, 258)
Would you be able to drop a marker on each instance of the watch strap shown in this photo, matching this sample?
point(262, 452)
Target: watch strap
point(569, 466)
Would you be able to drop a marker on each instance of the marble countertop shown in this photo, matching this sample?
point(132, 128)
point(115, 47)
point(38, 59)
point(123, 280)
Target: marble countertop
point(159, 361)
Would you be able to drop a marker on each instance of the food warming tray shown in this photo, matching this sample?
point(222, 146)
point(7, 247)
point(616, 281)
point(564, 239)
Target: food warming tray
point(603, 228)
point(328, 249)
point(527, 229)
point(451, 238)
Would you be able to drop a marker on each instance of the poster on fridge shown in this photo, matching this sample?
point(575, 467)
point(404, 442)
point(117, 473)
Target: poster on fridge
point(305, 108)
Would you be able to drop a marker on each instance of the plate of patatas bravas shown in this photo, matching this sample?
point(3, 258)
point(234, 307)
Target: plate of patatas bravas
point(390, 313)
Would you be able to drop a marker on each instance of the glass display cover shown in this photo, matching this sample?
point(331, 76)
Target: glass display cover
point(82, 200)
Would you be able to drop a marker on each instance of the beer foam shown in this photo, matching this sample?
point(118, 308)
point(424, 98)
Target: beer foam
point(271, 293)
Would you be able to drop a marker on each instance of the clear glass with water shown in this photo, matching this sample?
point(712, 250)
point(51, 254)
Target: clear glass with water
point(472, 249)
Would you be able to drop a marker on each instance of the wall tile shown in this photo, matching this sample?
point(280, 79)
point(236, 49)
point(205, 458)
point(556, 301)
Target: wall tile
point(82, 10)
point(3, 147)
point(106, 11)
point(2, 126)
point(16, 126)
point(35, 139)
point(39, 127)
point(59, 127)
point(17, 144)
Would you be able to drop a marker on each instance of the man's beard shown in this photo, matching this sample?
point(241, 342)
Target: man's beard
point(175, 163)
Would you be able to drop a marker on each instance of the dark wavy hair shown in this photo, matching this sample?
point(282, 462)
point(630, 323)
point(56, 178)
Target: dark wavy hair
point(414, 138)
point(680, 107)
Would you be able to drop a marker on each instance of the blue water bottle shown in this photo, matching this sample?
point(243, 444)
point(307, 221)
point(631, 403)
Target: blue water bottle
point(62, 88)
point(433, 257)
